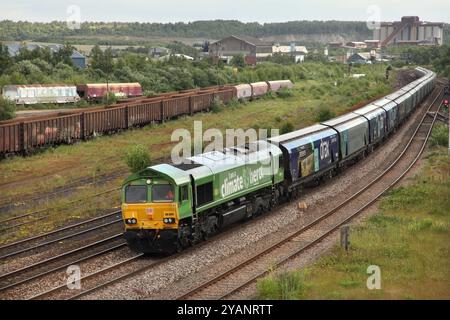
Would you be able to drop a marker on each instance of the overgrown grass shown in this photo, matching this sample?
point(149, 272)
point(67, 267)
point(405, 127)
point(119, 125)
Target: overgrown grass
point(439, 136)
point(408, 239)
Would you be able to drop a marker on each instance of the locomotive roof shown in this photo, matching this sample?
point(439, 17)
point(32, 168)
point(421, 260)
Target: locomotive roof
point(210, 163)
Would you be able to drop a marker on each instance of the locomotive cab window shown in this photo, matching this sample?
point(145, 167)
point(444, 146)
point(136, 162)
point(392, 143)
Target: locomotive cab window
point(162, 193)
point(136, 194)
point(184, 193)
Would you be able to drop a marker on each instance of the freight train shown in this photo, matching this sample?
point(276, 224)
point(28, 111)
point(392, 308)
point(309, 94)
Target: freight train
point(26, 135)
point(62, 93)
point(168, 207)
point(41, 93)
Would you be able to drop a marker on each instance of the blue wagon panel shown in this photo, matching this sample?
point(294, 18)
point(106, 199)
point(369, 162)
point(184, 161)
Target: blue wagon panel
point(377, 121)
point(353, 133)
point(308, 151)
point(391, 109)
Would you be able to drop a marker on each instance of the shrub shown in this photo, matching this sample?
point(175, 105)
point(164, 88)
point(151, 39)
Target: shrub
point(109, 98)
point(439, 136)
point(137, 158)
point(7, 109)
point(217, 105)
point(284, 286)
point(234, 103)
point(82, 104)
point(285, 93)
point(286, 128)
point(418, 225)
point(324, 114)
point(149, 93)
point(269, 95)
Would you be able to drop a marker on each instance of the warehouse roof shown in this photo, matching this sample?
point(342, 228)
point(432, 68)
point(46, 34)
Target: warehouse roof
point(251, 40)
point(14, 48)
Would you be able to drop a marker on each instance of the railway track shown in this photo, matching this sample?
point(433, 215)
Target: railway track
point(228, 282)
point(8, 203)
point(117, 272)
point(60, 261)
point(134, 263)
point(55, 236)
point(13, 202)
point(38, 215)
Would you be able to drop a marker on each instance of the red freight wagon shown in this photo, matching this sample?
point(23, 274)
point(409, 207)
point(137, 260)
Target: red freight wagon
point(10, 138)
point(202, 101)
point(140, 114)
point(95, 91)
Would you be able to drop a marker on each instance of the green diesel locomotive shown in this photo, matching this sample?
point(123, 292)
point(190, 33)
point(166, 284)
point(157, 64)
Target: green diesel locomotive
point(169, 207)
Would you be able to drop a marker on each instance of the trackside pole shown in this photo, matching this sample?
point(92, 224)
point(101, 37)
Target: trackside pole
point(345, 237)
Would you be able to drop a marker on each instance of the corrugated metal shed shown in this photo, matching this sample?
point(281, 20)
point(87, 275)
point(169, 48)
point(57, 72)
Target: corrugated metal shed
point(78, 59)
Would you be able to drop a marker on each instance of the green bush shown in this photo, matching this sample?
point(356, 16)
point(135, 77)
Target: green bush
point(149, 93)
point(7, 109)
point(439, 136)
point(285, 93)
point(109, 98)
point(270, 95)
point(217, 105)
point(284, 286)
point(286, 128)
point(324, 114)
point(82, 104)
point(234, 103)
point(137, 158)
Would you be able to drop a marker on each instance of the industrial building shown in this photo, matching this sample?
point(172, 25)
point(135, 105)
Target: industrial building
point(360, 58)
point(410, 30)
point(78, 59)
point(252, 48)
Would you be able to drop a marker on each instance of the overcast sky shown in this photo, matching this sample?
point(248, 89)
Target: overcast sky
point(243, 10)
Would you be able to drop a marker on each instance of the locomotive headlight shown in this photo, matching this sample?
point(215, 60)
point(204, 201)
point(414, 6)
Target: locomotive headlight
point(169, 220)
point(131, 221)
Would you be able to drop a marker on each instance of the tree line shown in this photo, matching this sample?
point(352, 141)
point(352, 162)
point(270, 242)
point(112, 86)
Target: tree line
point(23, 30)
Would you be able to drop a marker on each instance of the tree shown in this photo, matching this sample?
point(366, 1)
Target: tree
point(96, 57)
point(238, 60)
point(7, 109)
point(102, 60)
point(5, 59)
point(442, 63)
point(64, 55)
